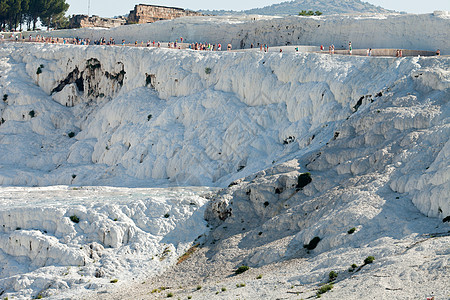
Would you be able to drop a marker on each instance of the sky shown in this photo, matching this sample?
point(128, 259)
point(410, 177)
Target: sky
point(110, 8)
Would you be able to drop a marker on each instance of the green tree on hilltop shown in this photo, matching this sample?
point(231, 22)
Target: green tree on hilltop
point(24, 7)
point(54, 15)
point(13, 13)
point(3, 12)
point(51, 13)
point(35, 10)
point(310, 13)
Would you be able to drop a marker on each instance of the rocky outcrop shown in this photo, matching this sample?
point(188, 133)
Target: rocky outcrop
point(91, 83)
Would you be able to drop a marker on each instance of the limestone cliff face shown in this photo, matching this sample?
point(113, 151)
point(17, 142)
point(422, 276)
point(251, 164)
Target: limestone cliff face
point(111, 115)
point(150, 13)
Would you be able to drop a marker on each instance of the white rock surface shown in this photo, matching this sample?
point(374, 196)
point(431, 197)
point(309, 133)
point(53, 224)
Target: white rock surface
point(122, 234)
point(270, 107)
point(373, 132)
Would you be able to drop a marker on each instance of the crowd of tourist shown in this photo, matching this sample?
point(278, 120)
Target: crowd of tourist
point(205, 46)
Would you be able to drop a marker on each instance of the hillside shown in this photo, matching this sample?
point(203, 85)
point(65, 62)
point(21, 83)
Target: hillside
point(372, 132)
point(292, 8)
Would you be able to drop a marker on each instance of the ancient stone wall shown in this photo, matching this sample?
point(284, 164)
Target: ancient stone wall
point(83, 21)
point(143, 13)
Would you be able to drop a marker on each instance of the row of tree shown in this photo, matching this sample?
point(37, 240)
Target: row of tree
point(16, 13)
point(310, 13)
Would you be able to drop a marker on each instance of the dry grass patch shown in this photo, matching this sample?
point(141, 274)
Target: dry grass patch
point(187, 254)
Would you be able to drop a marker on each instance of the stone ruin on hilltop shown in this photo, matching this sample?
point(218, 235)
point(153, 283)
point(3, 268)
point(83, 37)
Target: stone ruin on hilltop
point(144, 13)
point(84, 21)
point(141, 14)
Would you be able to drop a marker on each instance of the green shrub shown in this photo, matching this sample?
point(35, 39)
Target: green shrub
point(313, 243)
point(74, 219)
point(5, 97)
point(71, 134)
point(166, 215)
point(353, 267)
point(369, 260)
point(189, 297)
point(241, 269)
point(74, 176)
point(199, 287)
point(169, 295)
point(114, 280)
point(351, 230)
point(332, 276)
point(224, 289)
point(324, 288)
point(39, 70)
point(239, 285)
point(32, 114)
point(208, 70)
point(149, 117)
point(259, 276)
point(303, 180)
